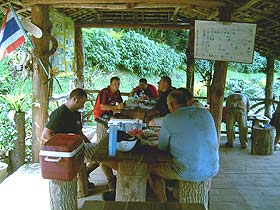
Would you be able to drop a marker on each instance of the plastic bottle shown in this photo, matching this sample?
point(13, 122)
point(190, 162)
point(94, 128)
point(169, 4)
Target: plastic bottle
point(113, 132)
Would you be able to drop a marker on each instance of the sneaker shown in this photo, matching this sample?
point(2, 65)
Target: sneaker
point(112, 184)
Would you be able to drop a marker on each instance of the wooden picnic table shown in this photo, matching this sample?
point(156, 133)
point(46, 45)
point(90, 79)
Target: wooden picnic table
point(132, 168)
point(138, 113)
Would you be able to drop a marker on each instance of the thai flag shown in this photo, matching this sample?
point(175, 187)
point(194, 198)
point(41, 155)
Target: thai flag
point(11, 34)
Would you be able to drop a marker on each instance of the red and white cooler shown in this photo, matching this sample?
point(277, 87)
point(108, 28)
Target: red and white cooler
point(62, 156)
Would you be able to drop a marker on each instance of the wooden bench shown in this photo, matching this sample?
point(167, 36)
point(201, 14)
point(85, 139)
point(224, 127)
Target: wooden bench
point(117, 205)
point(194, 192)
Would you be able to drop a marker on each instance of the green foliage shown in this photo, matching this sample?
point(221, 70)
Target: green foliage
point(252, 88)
point(16, 101)
point(258, 65)
point(178, 39)
point(5, 77)
point(101, 50)
point(7, 133)
point(107, 50)
point(143, 56)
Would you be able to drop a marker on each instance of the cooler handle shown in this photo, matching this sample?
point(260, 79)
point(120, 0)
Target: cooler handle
point(56, 160)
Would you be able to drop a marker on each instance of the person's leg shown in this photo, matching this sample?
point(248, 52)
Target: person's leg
point(101, 131)
point(157, 175)
point(243, 128)
point(157, 185)
point(106, 167)
point(91, 166)
point(230, 120)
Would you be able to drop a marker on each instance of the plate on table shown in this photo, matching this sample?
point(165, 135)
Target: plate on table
point(149, 143)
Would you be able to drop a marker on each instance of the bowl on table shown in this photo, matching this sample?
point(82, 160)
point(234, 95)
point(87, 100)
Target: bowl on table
point(125, 142)
point(126, 145)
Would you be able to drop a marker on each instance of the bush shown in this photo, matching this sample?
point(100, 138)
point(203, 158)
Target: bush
point(258, 65)
point(101, 51)
point(143, 56)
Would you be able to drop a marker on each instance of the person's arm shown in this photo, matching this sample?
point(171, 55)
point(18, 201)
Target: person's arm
point(107, 107)
point(164, 137)
point(47, 134)
point(132, 92)
point(103, 106)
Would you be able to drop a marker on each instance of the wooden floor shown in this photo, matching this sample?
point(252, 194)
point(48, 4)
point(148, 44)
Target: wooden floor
point(245, 182)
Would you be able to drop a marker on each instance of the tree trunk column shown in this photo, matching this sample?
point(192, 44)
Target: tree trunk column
point(40, 17)
point(131, 181)
point(18, 153)
point(79, 58)
point(269, 86)
point(63, 195)
point(190, 59)
point(219, 80)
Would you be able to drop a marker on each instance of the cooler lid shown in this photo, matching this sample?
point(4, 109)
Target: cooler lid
point(60, 154)
point(63, 143)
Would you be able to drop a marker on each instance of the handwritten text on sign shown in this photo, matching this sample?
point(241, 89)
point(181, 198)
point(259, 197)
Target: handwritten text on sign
point(224, 41)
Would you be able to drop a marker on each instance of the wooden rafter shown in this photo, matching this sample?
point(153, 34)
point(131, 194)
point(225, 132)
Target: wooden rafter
point(133, 26)
point(204, 3)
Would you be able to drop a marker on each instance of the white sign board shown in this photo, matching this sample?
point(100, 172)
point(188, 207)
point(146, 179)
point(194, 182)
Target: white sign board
point(224, 41)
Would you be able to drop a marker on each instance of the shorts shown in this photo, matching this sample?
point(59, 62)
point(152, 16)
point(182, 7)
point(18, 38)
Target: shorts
point(165, 171)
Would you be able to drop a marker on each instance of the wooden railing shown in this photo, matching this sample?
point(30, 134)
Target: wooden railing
point(257, 104)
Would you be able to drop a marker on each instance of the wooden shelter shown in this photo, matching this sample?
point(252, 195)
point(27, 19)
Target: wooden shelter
point(161, 14)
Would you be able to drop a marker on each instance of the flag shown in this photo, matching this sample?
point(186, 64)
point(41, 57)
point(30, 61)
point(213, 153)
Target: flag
point(11, 34)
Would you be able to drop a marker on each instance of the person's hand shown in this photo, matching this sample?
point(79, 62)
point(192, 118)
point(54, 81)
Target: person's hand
point(145, 97)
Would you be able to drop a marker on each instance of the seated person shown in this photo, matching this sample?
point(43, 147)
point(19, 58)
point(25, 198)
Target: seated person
point(145, 90)
point(161, 109)
point(67, 119)
point(108, 102)
point(189, 134)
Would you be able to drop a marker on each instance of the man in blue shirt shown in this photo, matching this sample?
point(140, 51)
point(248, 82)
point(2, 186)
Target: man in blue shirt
point(189, 134)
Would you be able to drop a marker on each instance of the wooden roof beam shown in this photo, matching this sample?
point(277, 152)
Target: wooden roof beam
point(204, 3)
point(91, 6)
point(168, 26)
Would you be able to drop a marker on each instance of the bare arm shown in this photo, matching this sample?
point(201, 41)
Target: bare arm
point(132, 92)
point(47, 134)
point(107, 107)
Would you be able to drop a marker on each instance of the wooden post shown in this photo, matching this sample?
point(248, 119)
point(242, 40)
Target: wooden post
point(219, 80)
point(269, 86)
point(79, 57)
point(190, 59)
point(194, 192)
point(131, 181)
point(262, 140)
point(18, 153)
point(63, 195)
point(40, 99)
point(82, 182)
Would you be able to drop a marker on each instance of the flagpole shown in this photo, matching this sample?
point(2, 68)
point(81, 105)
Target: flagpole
point(27, 38)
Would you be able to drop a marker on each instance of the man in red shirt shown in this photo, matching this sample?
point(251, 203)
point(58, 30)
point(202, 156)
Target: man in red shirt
point(145, 90)
point(108, 102)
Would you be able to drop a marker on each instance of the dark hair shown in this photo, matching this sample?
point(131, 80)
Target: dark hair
point(79, 93)
point(167, 80)
point(114, 78)
point(178, 97)
point(187, 93)
point(143, 80)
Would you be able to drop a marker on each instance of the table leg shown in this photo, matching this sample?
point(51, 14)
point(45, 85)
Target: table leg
point(131, 181)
